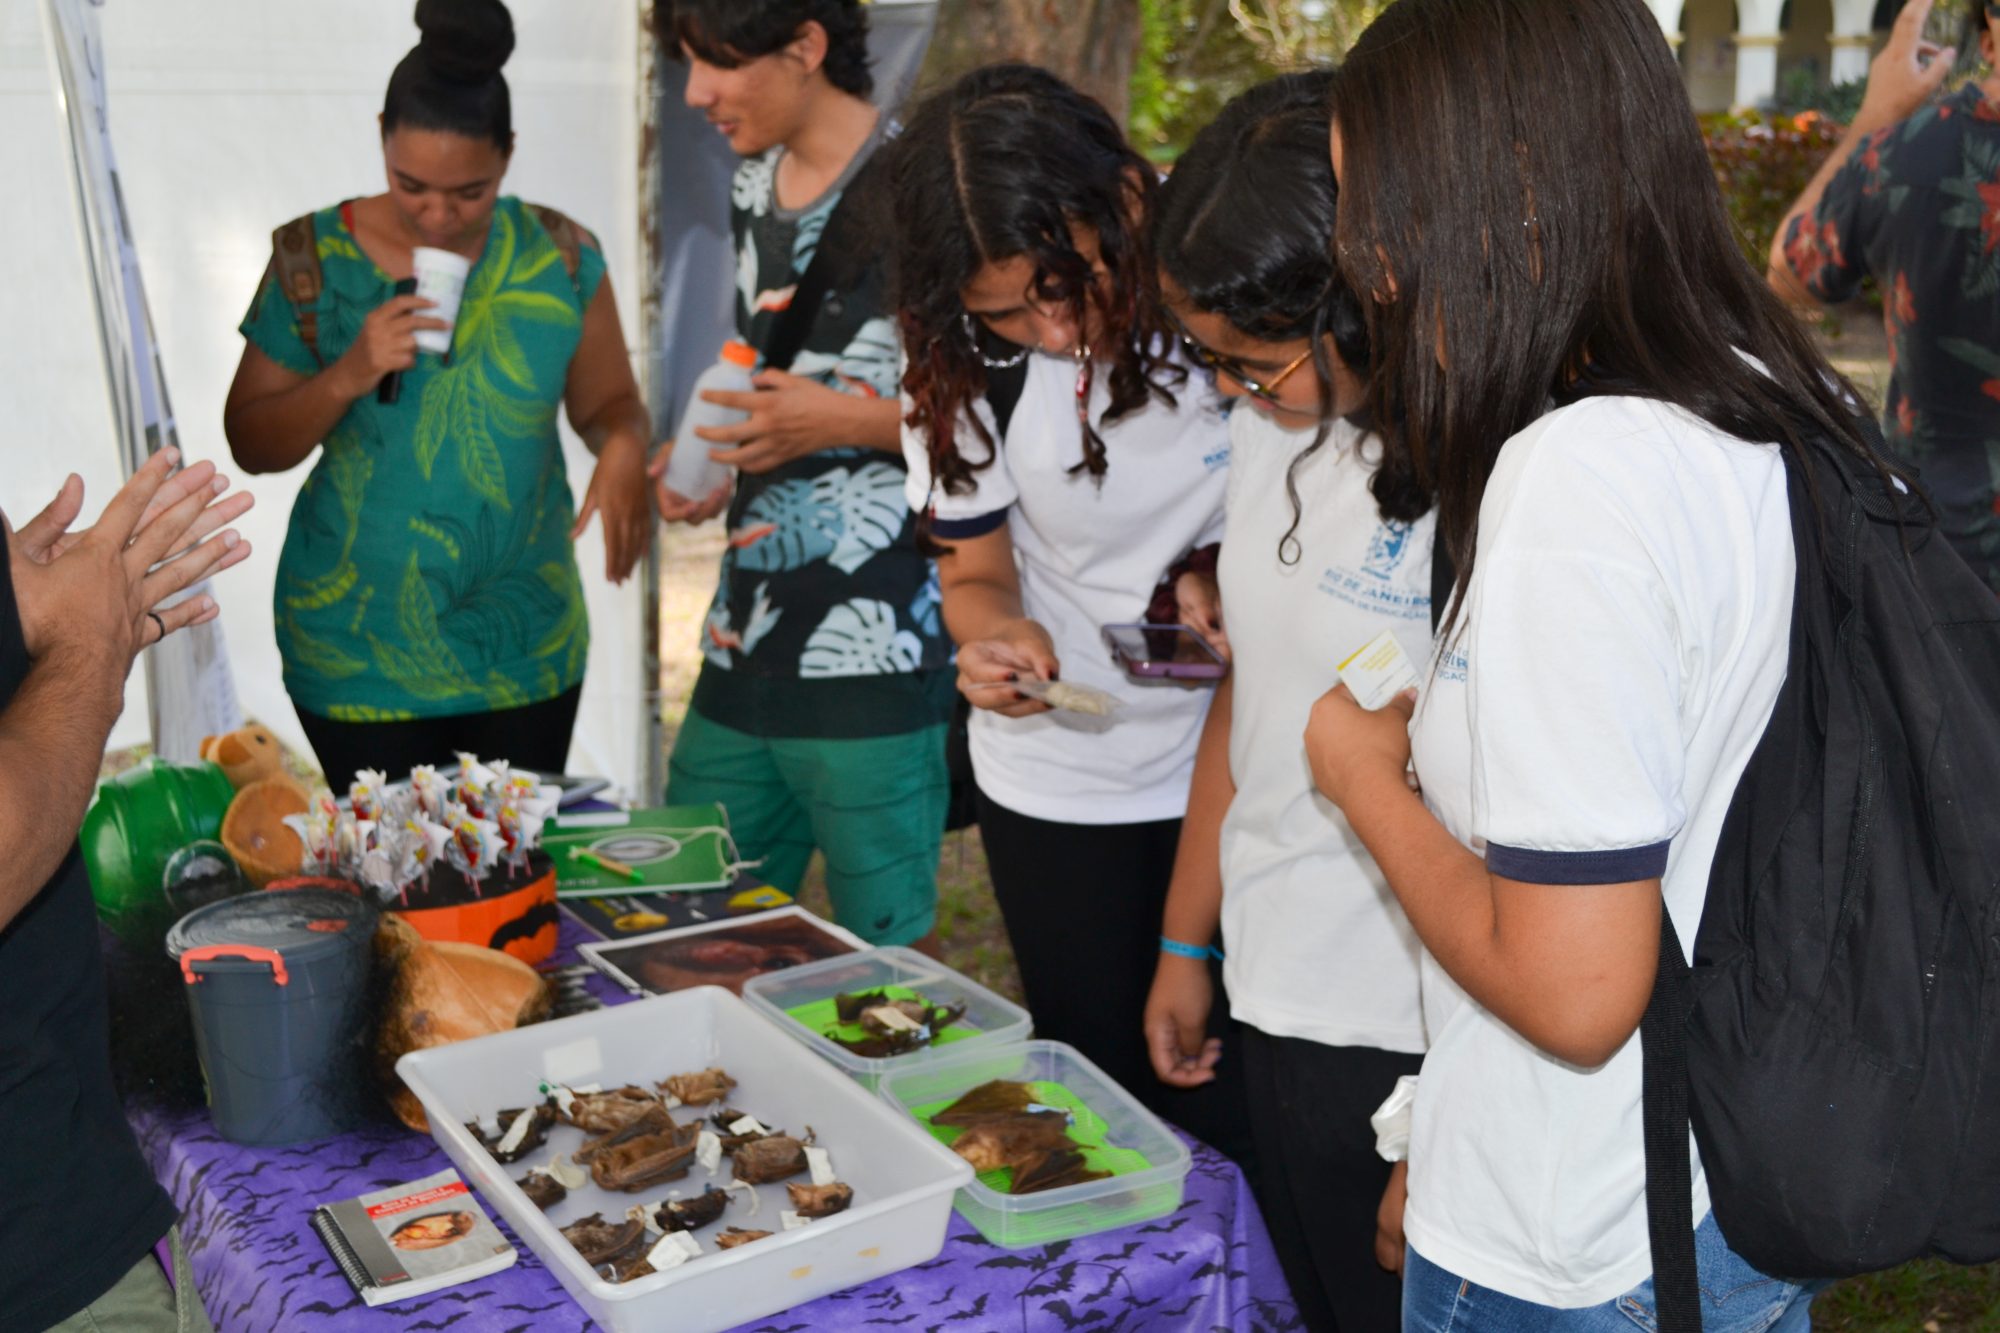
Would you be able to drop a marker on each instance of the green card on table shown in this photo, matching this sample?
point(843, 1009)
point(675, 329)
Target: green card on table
point(670, 847)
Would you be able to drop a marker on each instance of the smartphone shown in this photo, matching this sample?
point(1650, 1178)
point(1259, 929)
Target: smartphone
point(1172, 651)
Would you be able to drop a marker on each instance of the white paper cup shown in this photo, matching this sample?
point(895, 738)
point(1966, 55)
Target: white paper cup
point(440, 278)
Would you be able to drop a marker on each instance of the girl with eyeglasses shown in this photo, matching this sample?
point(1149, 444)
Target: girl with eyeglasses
point(1022, 252)
point(1330, 547)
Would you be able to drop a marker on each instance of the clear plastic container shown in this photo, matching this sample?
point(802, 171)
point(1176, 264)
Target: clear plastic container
point(989, 1019)
point(1020, 1221)
point(903, 1179)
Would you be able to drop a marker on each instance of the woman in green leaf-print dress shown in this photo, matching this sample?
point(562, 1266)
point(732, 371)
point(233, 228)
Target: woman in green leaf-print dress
point(427, 595)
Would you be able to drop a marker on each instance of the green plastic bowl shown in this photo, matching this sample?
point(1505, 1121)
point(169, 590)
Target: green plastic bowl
point(140, 819)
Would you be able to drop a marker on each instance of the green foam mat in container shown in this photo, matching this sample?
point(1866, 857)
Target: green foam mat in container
point(800, 1001)
point(1147, 1161)
point(823, 1017)
point(1087, 1130)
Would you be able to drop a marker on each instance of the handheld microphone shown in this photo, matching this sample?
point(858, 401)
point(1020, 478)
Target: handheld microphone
point(391, 387)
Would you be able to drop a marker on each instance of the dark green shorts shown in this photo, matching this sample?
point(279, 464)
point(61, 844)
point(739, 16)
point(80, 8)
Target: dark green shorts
point(874, 806)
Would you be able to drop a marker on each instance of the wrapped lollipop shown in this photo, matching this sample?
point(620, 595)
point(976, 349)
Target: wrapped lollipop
point(399, 807)
point(533, 797)
point(316, 830)
point(474, 786)
point(365, 793)
point(415, 846)
point(520, 832)
point(352, 839)
point(377, 872)
point(428, 790)
point(526, 805)
point(474, 846)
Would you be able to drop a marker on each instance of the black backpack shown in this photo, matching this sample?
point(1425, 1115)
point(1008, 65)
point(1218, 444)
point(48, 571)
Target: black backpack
point(1837, 1042)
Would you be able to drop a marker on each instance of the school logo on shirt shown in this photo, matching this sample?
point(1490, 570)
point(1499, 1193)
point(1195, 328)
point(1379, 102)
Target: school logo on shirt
point(1216, 459)
point(1387, 548)
point(1454, 665)
point(1373, 585)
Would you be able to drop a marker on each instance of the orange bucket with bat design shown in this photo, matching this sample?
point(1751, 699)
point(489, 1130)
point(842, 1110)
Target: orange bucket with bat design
point(512, 911)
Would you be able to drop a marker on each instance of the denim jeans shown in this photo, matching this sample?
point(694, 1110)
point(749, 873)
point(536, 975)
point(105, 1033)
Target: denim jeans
point(1735, 1298)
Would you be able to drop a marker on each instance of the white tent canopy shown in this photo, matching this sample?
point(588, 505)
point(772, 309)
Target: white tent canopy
point(230, 116)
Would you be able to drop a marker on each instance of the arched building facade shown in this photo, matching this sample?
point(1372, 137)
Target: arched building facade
point(1734, 51)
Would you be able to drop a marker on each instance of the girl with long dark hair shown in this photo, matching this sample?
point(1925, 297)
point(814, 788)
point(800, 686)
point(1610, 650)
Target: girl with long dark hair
point(1571, 346)
point(1330, 545)
point(427, 594)
point(1022, 249)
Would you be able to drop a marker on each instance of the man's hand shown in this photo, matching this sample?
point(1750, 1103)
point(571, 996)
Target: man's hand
point(95, 599)
point(1907, 73)
point(47, 534)
point(618, 490)
point(677, 508)
point(790, 417)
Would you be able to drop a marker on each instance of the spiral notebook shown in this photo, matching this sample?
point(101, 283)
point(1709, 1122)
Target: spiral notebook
point(411, 1239)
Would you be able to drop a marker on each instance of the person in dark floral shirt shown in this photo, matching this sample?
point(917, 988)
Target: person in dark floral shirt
point(819, 717)
point(1912, 198)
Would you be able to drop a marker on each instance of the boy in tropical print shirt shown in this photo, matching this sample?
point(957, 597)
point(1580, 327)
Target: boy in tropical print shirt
point(818, 719)
point(1912, 198)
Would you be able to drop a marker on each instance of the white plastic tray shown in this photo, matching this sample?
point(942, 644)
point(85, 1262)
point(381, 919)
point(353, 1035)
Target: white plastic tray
point(903, 1179)
point(1018, 1221)
point(994, 1020)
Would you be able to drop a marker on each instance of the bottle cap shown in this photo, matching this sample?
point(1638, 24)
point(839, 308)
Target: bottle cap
point(739, 354)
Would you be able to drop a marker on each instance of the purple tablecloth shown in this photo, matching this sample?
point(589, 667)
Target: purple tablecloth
point(261, 1268)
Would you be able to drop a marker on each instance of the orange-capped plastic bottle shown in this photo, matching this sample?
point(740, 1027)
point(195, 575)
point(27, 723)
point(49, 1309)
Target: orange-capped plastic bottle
point(691, 473)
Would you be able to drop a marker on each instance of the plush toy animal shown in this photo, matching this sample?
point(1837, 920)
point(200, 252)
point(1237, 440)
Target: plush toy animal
point(245, 755)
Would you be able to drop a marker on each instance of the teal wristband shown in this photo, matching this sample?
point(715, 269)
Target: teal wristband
point(1179, 950)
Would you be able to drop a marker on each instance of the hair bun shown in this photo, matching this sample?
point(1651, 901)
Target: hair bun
point(465, 41)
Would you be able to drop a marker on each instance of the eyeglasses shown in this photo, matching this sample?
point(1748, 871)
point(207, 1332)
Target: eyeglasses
point(1218, 364)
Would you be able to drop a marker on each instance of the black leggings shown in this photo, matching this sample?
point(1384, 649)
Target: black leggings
point(534, 737)
point(1320, 1181)
point(1082, 904)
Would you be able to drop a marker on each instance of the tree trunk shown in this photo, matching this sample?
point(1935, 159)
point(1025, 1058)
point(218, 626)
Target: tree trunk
point(1091, 43)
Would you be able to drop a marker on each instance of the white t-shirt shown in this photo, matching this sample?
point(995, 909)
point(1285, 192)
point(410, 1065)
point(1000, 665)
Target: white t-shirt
point(1622, 646)
point(1318, 947)
point(1090, 555)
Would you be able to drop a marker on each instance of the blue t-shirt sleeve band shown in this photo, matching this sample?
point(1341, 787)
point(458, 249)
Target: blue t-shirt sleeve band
point(1625, 865)
point(964, 529)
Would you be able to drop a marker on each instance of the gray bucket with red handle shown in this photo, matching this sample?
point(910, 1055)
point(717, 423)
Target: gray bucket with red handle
point(278, 988)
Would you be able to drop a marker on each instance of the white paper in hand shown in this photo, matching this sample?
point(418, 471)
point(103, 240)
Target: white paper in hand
point(1378, 671)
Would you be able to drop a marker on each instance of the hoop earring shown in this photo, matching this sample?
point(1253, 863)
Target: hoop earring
point(991, 363)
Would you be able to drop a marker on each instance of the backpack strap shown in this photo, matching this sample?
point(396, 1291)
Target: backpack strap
point(568, 238)
point(295, 264)
point(842, 249)
point(1663, 1106)
point(1004, 386)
